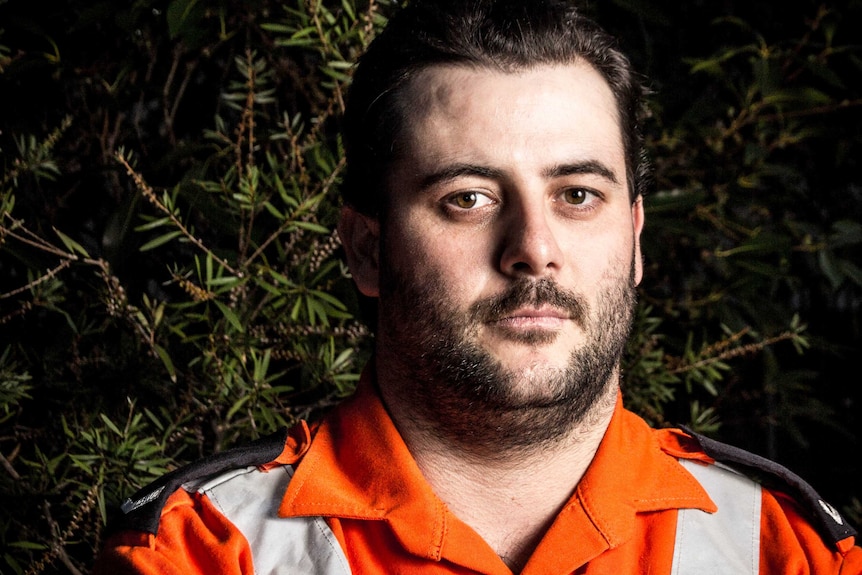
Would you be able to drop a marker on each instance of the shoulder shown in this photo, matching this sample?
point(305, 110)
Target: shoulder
point(777, 480)
point(143, 510)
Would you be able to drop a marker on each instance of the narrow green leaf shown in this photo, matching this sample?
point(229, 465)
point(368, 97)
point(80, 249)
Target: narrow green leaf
point(28, 545)
point(237, 406)
point(166, 360)
point(294, 312)
point(348, 8)
point(330, 299)
point(310, 226)
point(110, 424)
point(157, 223)
point(230, 316)
point(224, 281)
point(273, 210)
point(71, 244)
point(161, 240)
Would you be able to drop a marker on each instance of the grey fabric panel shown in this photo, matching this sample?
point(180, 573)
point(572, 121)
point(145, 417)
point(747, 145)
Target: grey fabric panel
point(725, 542)
point(249, 498)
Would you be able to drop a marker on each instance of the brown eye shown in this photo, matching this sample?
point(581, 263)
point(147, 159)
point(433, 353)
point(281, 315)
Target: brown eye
point(466, 199)
point(575, 195)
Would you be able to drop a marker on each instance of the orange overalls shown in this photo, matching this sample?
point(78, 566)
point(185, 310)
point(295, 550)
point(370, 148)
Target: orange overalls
point(361, 501)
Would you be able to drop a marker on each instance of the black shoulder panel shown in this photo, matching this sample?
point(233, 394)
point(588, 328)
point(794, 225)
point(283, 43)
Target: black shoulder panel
point(825, 518)
point(142, 511)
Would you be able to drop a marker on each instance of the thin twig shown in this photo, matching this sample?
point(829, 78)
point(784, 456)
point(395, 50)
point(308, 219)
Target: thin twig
point(732, 353)
point(151, 196)
point(43, 278)
point(7, 465)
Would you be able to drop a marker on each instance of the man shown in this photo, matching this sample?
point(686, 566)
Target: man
point(493, 209)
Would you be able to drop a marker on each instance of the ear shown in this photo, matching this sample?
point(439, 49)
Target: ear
point(637, 228)
point(360, 236)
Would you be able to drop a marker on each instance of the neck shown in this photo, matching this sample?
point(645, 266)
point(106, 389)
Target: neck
point(509, 496)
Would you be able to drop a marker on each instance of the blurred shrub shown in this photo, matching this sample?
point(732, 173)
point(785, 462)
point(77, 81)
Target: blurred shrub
point(170, 283)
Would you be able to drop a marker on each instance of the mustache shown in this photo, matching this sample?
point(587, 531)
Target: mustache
point(526, 292)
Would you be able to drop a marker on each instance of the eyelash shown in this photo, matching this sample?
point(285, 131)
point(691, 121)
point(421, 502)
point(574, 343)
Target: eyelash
point(452, 200)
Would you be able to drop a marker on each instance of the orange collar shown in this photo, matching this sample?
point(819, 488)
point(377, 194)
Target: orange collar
point(358, 467)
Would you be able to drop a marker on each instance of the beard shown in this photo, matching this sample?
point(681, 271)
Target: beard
point(456, 390)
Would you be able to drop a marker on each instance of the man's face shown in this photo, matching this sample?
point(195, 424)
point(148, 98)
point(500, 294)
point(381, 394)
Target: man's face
point(509, 248)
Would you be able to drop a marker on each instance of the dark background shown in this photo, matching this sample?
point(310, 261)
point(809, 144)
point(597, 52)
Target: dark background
point(755, 217)
point(663, 38)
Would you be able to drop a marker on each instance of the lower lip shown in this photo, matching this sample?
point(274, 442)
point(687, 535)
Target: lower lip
point(531, 322)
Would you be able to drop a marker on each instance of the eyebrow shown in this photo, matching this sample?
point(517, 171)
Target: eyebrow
point(453, 171)
point(457, 170)
point(586, 167)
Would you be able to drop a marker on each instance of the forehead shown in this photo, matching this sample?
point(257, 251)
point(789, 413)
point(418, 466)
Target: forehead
point(552, 113)
point(444, 81)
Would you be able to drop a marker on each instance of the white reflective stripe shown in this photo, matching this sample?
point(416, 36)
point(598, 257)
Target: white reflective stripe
point(249, 498)
point(726, 542)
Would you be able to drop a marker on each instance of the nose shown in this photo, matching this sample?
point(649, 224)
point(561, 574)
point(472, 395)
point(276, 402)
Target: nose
point(530, 245)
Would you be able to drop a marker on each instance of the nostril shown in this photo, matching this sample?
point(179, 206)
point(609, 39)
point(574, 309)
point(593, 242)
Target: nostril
point(528, 242)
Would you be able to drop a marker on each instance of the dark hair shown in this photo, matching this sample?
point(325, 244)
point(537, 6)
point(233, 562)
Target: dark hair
point(499, 34)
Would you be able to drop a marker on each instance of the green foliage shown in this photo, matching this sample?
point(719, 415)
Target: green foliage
point(171, 283)
point(747, 173)
point(242, 321)
point(13, 385)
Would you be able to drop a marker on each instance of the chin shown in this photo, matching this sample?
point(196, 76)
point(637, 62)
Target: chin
point(535, 377)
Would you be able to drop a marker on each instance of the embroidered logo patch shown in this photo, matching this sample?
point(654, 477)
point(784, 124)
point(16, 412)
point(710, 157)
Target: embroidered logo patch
point(129, 505)
point(831, 511)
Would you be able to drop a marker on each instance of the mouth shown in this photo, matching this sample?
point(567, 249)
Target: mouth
point(530, 318)
point(530, 306)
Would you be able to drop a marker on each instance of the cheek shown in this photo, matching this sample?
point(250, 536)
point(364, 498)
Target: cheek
point(618, 264)
point(412, 240)
point(422, 256)
point(602, 254)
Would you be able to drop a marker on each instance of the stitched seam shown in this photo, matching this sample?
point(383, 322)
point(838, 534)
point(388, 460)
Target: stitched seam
point(329, 536)
point(678, 539)
point(755, 531)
